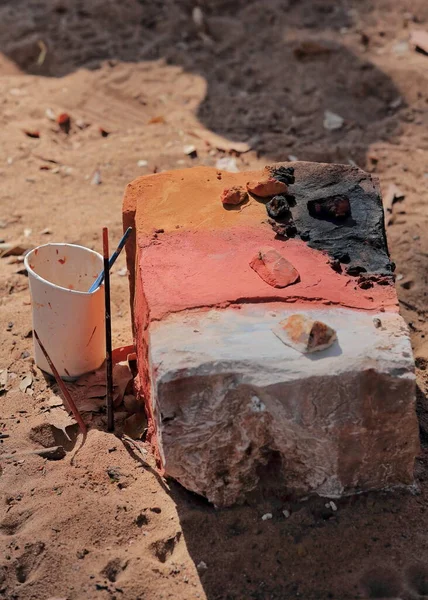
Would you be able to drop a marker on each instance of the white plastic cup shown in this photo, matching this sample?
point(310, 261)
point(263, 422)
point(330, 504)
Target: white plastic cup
point(69, 321)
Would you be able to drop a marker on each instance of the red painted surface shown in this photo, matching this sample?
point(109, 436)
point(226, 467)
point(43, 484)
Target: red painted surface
point(143, 380)
point(190, 269)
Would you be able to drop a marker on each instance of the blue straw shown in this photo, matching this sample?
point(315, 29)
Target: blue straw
point(98, 281)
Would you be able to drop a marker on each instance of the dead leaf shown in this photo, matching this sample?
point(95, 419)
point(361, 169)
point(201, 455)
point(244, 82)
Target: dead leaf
point(121, 378)
point(52, 402)
point(89, 391)
point(85, 401)
point(26, 383)
point(60, 419)
point(90, 404)
point(96, 391)
point(216, 141)
point(97, 377)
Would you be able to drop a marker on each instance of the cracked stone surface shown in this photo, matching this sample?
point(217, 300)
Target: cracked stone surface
point(339, 421)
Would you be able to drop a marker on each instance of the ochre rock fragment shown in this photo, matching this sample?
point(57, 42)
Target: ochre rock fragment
point(234, 195)
point(274, 268)
point(305, 334)
point(267, 185)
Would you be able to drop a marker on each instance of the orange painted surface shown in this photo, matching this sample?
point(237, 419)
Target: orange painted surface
point(190, 199)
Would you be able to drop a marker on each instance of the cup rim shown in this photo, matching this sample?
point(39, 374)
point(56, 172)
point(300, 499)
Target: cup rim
point(54, 285)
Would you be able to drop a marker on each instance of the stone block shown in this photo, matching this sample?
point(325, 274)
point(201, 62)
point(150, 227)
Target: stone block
point(227, 400)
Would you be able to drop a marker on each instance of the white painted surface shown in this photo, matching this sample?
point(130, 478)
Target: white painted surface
point(216, 337)
point(226, 393)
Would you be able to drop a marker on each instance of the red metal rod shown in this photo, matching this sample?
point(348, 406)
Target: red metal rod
point(63, 388)
point(109, 364)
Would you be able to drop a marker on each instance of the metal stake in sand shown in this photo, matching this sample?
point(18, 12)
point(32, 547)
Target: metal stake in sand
point(63, 387)
point(109, 366)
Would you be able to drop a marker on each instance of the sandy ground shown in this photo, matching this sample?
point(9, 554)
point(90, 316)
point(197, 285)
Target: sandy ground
point(104, 525)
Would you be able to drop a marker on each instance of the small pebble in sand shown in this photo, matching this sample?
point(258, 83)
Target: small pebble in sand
point(332, 122)
point(227, 163)
point(64, 122)
point(190, 150)
point(49, 113)
point(96, 178)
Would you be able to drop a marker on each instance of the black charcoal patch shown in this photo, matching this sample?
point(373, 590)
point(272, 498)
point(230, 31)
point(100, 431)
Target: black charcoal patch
point(357, 240)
